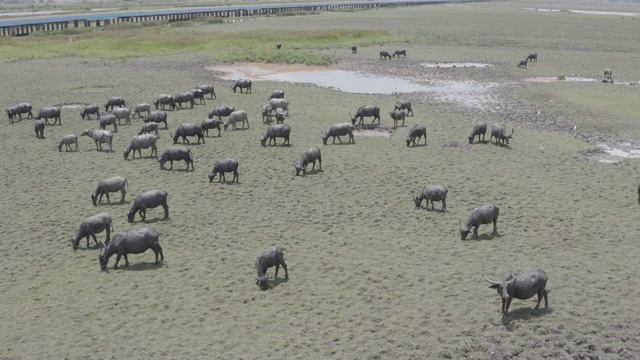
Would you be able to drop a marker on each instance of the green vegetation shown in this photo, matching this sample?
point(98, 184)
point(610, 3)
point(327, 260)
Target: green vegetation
point(370, 276)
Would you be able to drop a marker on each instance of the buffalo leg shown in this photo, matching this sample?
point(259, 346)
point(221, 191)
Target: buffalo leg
point(495, 227)
point(100, 199)
point(166, 210)
point(115, 266)
point(143, 213)
point(126, 260)
point(475, 233)
point(123, 193)
point(108, 200)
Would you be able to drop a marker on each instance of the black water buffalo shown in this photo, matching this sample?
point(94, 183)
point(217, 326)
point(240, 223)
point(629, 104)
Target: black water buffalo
point(366, 111)
point(89, 110)
point(522, 63)
point(130, 242)
point(401, 52)
point(47, 113)
point(148, 200)
point(207, 89)
point(532, 57)
point(242, 84)
point(354, 49)
point(384, 55)
point(113, 102)
point(481, 215)
point(165, 99)
point(521, 286)
point(225, 166)
point(478, 129)
point(499, 132)
point(19, 109)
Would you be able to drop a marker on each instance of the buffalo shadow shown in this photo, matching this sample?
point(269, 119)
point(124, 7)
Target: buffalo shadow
point(113, 203)
point(312, 172)
point(524, 314)
point(152, 221)
point(276, 281)
point(142, 266)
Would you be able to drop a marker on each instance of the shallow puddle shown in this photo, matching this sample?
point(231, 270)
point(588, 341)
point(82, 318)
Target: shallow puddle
point(456, 65)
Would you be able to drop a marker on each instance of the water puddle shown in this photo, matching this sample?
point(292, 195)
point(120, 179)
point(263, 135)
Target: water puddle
point(456, 65)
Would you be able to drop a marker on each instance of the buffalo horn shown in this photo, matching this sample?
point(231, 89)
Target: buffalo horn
point(489, 281)
point(512, 131)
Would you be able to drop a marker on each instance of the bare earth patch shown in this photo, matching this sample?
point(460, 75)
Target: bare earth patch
point(373, 130)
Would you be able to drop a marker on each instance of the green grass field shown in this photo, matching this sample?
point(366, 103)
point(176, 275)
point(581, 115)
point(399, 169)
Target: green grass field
point(370, 276)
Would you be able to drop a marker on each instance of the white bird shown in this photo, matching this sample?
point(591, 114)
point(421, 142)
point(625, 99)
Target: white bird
point(575, 127)
point(538, 112)
point(541, 148)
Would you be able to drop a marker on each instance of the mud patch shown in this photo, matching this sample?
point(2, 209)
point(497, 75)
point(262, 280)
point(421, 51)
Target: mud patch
point(373, 130)
point(456, 145)
point(71, 106)
point(549, 79)
point(456, 65)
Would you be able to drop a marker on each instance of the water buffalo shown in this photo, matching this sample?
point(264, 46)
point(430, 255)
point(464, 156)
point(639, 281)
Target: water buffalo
point(140, 108)
point(522, 63)
point(478, 129)
point(109, 119)
point(100, 137)
point(148, 128)
point(109, 185)
point(91, 226)
point(67, 141)
point(417, 131)
point(337, 131)
point(499, 132)
point(638, 194)
point(158, 117)
point(276, 94)
point(185, 130)
point(272, 256)
point(479, 216)
point(199, 94)
point(607, 73)
point(207, 89)
point(354, 49)
point(397, 116)
point(278, 46)
point(225, 166)
point(211, 124)
point(130, 242)
point(278, 103)
point(384, 55)
point(176, 153)
point(140, 142)
point(122, 113)
point(235, 117)
point(148, 200)
point(366, 111)
point(183, 98)
point(221, 110)
point(242, 84)
point(276, 131)
point(432, 193)
point(521, 286)
point(165, 99)
point(532, 57)
point(266, 113)
point(403, 105)
point(401, 52)
point(89, 110)
point(113, 102)
point(47, 113)
point(19, 109)
point(308, 156)
point(280, 115)
point(38, 126)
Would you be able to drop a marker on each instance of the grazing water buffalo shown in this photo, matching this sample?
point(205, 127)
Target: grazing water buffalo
point(432, 193)
point(199, 94)
point(19, 109)
point(211, 124)
point(242, 84)
point(100, 137)
point(158, 117)
point(183, 98)
point(479, 216)
point(221, 110)
point(113, 102)
point(122, 113)
point(522, 63)
point(91, 226)
point(278, 46)
point(47, 113)
point(277, 94)
point(532, 57)
point(401, 52)
point(500, 133)
point(272, 256)
point(176, 153)
point(67, 141)
point(140, 142)
point(403, 105)
point(337, 131)
point(384, 55)
point(165, 99)
point(521, 286)
point(235, 117)
point(140, 108)
point(276, 131)
point(397, 116)
point(149, 128)
point(278, 103)
point(89, 110)
point(185, 130)
point(207, 89)
point(225, 166)
point(109, 185)
point(266, 113)
point(478, 129)
point(417, 131)
point(607, 73)
point(109, 119)
point(130, 242)
point(354, 49)
point(308, 156)
point(148, 200)
point(38, 126)
point(280, 115)
point(366, 111)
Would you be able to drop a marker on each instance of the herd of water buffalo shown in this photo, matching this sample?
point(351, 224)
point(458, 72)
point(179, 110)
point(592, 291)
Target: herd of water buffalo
point(516, 285)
